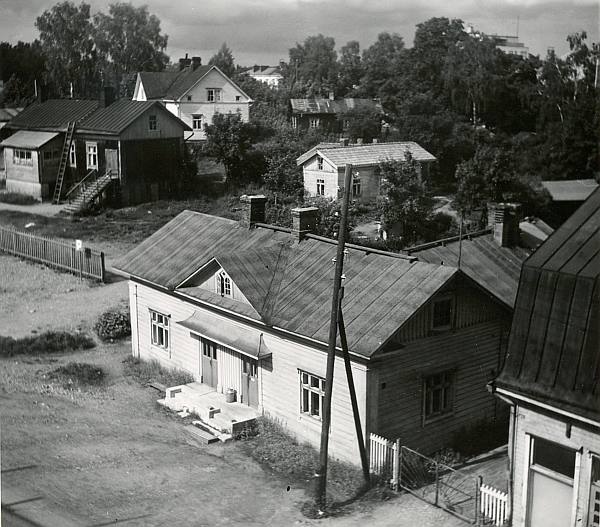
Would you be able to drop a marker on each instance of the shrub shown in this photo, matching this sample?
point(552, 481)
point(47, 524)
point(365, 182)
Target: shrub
point(113, 324)
point(17, 199)
point(147, 371)
point(79, 374)
point(47, 342)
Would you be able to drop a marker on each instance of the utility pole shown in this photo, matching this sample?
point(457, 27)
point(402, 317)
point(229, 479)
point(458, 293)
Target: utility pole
point(333, 328)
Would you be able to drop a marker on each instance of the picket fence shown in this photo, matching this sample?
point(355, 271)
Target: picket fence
point(494, 505)
point(53, 253)
point(384, 458)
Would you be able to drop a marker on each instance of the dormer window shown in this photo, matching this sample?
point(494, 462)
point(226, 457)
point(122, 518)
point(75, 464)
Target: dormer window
point(223, 284)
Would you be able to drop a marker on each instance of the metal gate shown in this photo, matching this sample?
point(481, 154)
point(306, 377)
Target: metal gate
point(439, 484)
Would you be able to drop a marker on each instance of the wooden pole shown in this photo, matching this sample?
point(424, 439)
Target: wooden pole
point(359, 436)
point(333, 327)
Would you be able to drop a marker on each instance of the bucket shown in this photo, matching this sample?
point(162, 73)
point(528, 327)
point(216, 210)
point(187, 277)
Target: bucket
point(230, 395)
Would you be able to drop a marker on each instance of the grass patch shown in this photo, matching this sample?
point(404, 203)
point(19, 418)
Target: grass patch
point(113, 324)
point(45, 343)
point(274, 447)
point(17, 199)
point(78, 375)
point(153, 371)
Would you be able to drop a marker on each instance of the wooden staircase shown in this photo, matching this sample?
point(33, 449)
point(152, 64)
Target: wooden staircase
point(64, 159)
point(88, 190)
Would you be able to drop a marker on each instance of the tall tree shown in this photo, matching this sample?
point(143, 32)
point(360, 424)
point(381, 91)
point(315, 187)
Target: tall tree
point(129, 40)
point(20, 66)
point(313, 65)
point(66, 37)
point(381, 62)
point(223, 59)
point(350, 68)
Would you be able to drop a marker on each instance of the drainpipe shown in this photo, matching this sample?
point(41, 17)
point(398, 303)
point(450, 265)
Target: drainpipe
point(137, 323)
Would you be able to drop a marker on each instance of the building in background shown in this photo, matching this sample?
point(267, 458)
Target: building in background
point(270, 75)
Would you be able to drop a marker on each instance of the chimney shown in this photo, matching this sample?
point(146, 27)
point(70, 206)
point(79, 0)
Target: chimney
point(254, 210)
point(344, 141)
point(196, 61)
point(331, 96)
point(303, 221)
point(359, 140)
point(281, 63)
point(504, 220)
point(184, 63)
point(375, 140)
point(107, 96)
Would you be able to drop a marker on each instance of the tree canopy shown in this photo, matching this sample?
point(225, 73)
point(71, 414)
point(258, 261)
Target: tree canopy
point(223, 59)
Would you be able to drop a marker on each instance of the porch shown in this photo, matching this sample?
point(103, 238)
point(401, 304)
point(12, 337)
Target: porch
point(215, 414)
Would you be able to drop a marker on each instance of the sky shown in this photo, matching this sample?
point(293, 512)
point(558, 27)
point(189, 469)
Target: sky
point(263, 31)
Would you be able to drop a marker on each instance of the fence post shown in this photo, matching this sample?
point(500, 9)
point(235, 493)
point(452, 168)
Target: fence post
point(437, 483)
point(396, 466)
point(400, 460)
point(478, 485)
point(102, 269)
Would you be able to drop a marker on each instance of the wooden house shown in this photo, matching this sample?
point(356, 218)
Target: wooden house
point(269, 75)
point(551, 379)
point(241, 304)
point(194, 94)
point(323, 167)
point(135, 148)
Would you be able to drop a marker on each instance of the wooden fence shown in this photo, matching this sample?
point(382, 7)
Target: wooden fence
point(494, 505)
point(384, 458)
point(53, 253)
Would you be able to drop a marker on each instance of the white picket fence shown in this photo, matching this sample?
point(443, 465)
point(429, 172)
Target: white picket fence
point(384, 458)
point(494, 504)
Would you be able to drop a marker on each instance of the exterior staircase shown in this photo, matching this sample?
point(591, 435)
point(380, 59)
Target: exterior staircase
point(88, 190)
point(64, 159)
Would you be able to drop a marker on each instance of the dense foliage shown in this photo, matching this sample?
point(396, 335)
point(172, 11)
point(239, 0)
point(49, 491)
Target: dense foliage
point(113, 324)
point(47, 342)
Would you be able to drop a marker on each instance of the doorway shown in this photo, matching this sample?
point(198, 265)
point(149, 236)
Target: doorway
point(112, 162)
point(250, 382)
point(209, 364)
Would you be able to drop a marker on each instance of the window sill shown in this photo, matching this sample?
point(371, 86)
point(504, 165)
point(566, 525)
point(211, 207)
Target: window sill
point(307, 418)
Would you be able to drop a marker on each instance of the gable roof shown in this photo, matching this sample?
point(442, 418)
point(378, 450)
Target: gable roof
point(289, 284)
point(27, 139)
point(263, 70)
point(495, 268)
point(309, 153)
point(553, 353)
point(321, 106)
point(116, 117)
point(371, 154)
point(571, 190)
point(6, 114)
point(52, 115)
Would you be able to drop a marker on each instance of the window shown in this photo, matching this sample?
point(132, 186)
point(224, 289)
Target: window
point(320, 187)
point(223, 284)
point(197, 121)
point(213, 94)
point(48, 155)
point(152, 122)
point(554, 457)
point(595, 493)
point(441, 317)
point(319, 162)
point(356, 186)
point(22, 157)
point(72, 155)
point(438, 392)
point(312, 392)
point(159, 329)
point(314, 122)
point(238, 98)
point(189, 97)
point(294, 122)
point(92, 155)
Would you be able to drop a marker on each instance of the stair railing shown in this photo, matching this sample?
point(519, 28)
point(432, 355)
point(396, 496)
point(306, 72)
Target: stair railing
point(82, 183)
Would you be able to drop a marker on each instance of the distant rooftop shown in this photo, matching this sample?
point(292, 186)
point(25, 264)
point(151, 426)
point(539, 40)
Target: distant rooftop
point(570, 190)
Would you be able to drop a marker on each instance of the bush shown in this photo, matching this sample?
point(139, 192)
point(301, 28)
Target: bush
point(44, 343)
point(17, 199)
point(78, 374)
point(152, 371)
point(113, 324)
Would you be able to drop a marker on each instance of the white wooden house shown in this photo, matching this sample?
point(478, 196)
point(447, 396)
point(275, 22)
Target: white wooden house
point(245, 306)
point(323, 167)
point(195, 94)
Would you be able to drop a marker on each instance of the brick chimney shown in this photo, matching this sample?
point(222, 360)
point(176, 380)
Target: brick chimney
point(184, 62)
point(253, 210)
point(303, 221)
point(504, 220)
point(196, 62)
point(107, 96)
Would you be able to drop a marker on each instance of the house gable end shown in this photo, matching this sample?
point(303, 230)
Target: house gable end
point(213, 78)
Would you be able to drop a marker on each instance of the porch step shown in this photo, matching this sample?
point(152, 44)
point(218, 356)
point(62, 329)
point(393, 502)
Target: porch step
point(221, 436)
point(201, 435)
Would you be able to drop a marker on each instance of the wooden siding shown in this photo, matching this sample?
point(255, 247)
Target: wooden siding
point(279, 382)
point(328, 174)
point(167, 128)
point(473, 354)
point(210, 284)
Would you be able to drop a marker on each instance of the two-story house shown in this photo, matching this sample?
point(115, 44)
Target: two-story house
point(194, 94)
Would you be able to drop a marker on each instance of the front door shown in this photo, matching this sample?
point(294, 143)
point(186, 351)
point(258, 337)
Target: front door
point(250, 382)
point(210, 366)
point(112, 161)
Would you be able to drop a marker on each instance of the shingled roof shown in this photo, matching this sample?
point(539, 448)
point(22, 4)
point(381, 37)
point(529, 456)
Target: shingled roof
point(319, 106)
point(553, 351)
point(52, 115)
point(288, 284)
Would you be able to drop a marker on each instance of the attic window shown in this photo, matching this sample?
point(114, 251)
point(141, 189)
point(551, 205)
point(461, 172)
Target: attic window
point(152, 123)
point(441, 313)
point(213, 94)
point(189, 97)
point(238, 97)
point(314, 122)
point(319, 162)
point(223, 284)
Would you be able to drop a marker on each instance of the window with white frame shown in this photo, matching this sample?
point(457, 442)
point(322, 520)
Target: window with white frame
point(159, 329)
point(91, 155)
point(223, 284)
point(152, 123)
point(356, 189)
point(197, 121)
point(314, 122)
point(22, 157)
point(438, 394)
point(319, 163)
point(320, 187)
point(441, 313)
point(312, 394)
point(72, 155)
point(294, 122)
point(213, 94)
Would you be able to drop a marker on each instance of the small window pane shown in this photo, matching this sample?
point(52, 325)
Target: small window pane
point(315, 403)
point(304, 378)
point(554, 457)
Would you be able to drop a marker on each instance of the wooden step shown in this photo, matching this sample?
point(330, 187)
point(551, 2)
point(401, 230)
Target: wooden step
point(201, 435)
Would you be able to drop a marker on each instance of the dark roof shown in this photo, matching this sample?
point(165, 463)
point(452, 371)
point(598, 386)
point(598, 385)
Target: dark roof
point(263, 70)
point(493, 267)
point(157, 83)
point(288, 284)
point(318, 106)
point(52, 115)
point(116, 117)
point(570, 190)
point(553, 351)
